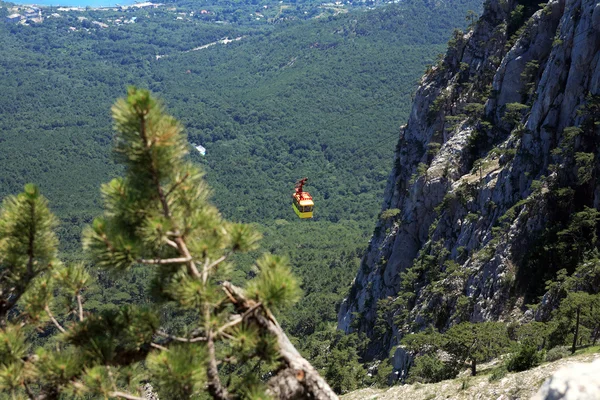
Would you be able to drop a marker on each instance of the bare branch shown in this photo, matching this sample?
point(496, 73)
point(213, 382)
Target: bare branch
point(182, 339)
point(162, 261)
point(215, 387)
point(80, 305)
point(171, 243)
point(236, 321)
point(29, 392)
point(60, 328)
point(158, 346)
point(111, 377)
point(186, 253)
point(215, 263)
point(123, 395)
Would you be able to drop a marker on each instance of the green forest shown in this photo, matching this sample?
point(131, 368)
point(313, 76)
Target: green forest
point(318, 94)
point(321, 98)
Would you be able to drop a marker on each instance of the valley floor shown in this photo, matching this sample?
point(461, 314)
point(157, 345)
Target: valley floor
point(521, 385)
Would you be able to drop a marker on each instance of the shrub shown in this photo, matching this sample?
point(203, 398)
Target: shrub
point(389, 213)
point(557, 353)
point(498, 373)
point(525, 357)
point(430, 368)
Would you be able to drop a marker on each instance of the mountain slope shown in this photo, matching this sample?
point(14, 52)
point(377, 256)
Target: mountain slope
point(521, 385)
point(494, 187)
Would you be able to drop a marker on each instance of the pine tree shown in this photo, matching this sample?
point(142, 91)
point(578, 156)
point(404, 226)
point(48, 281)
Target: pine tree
point(578, 315)
point(157, 216)
point(476, 342)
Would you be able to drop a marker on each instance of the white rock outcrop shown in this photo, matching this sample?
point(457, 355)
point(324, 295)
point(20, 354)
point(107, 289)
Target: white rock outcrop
point(576, 382)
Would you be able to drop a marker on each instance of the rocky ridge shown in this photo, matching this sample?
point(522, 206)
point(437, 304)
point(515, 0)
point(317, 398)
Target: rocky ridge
point(554, 379)
point(489, 164)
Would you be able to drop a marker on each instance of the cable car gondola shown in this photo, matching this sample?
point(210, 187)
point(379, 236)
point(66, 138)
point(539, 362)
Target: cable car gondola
point(302, 201)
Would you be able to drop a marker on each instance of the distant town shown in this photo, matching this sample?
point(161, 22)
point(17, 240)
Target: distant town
point(217, 12)
point(33, 14)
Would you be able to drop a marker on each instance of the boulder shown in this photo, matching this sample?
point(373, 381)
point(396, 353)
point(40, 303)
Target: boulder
point(576, 382)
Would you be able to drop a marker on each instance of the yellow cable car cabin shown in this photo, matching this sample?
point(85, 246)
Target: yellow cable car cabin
point(302, 201)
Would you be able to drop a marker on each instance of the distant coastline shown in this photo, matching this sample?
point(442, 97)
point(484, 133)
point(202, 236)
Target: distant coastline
point(74, 3)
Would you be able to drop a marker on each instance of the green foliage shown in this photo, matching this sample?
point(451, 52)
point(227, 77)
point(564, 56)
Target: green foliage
point(557, 41)
point(474, 111)
point(576, 320)
point(498, 373)
point(476, 343)
point(513, 113)
point(423, 342)
point(436, 106)
point(556, 353)
point(28, 245)
point(429, 368)
point(580, 235)
point(524, 357)
point(389, 213)
point(585, 169)
point(464, 342)
point(156, 215)
point(275, 286)
point(276, 105)
point(419, 173)
point(115, 336)
point(336, 355)
point(528, 76)
point(175, 374)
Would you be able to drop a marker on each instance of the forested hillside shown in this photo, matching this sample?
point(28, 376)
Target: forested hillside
point(321, 97)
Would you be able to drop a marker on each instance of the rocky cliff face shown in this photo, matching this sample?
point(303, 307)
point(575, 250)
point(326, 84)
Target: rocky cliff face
point(498, 159)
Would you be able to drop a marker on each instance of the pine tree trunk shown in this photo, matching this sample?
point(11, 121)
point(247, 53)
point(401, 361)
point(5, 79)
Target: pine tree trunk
point(576, 331)
point(298, 379)
point(473, 367)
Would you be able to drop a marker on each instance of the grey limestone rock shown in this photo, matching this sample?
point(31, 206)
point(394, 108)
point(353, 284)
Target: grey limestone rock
point(576, 382)
point(450, 206)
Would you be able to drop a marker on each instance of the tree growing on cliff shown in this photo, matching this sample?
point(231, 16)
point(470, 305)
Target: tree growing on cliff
point(476, 342)
point(156, 216)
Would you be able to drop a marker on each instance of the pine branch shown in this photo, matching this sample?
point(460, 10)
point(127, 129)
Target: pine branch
point(238, 320)
point(182, 339)
point(80, 306)
point(127, 396)
point(208, 267)
point(171, 243)
point(31, 240)
point(298, 379)
point(179, 182)
point(29, 392)
point(162, 261)
point(186, 253)
point(215, 387)
point(181, 245)
point(60, 328)
point(158, 346)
